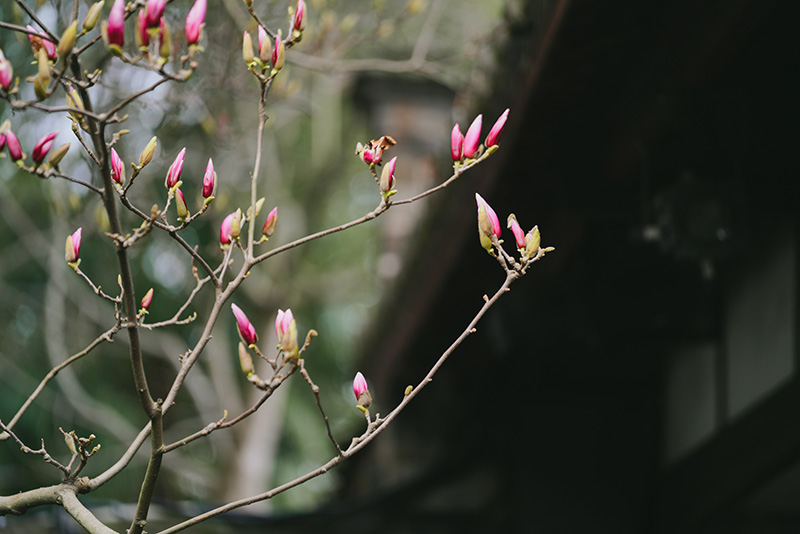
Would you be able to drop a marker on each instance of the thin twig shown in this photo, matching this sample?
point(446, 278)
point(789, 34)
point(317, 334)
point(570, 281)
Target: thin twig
point(315, 391)
point(27, 450)
point(105, 336)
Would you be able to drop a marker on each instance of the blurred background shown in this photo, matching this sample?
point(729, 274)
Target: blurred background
point(642, 378)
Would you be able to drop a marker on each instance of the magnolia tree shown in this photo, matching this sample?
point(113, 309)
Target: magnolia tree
point(64, 86)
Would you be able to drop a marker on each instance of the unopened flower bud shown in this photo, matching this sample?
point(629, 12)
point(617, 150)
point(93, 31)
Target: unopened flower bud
point(247, 48)
point(194, 22)
point(147, 153)
point(164, 41)
point(6, 72)
point(230, 227)
point(236, 224)
point(74, 100)
point(174, 172)
point(70, 441)
point(387, 178)
point(532, 242)
point(209, 180)
point(245, 360)
point(115, 27)
point(286, 329)
point(456, 143)
point(246, 329)
point(43, 146)
point(58, 154)
point(14, 148)
point(488, 223)
point(73, 246)
point(117, 168)
point(497, 129)
point(516, 229)
point(361, 391)
point(264, 45)
point(44, 68)
point(278, 53)
point(300, 16)
point(40, 87)
point(140, 34)
point(154, 10)
point(180, 205)
point(147, 299)
point(270, 223)
point(67, 41)
point(90, 21)
point(472, 137)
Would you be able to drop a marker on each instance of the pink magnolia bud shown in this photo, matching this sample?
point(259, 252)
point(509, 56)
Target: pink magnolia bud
point(230, 227)
point(264, 45)
point(472, 137)
point(154, 9)
point(116, 24)
point(270, 223)
point(117, 168)
point(282, 321)
point(516, 229)
point(225, 229)
point(497, 129)
point(73, 246)
point(174, 173)
point(43, 146)
point(209, 180)
point(488, 223)
point(300, 16)
point(6, 72)
point(147, 299)
point(14, 148)
point(278, 53)
point(491, 215)
point(38, 42)
point(286, 329)
point(456, 144)
point(180, 204)
point(141, 35)
point(387, 177)
point(2, 140)
point(246, 329)
point(359, 384)
point(194, 22)
point(361, 391)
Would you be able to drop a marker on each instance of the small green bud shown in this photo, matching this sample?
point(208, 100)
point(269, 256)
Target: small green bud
point(58, 154)
point(147, 153)
point(245, 360)
point(247, 48)
point(92, 16)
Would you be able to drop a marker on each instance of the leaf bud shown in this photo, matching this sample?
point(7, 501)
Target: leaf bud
point(245, 360)
point(147, 154)
point(58, 154)
point(90, 21)
point(67, 41)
